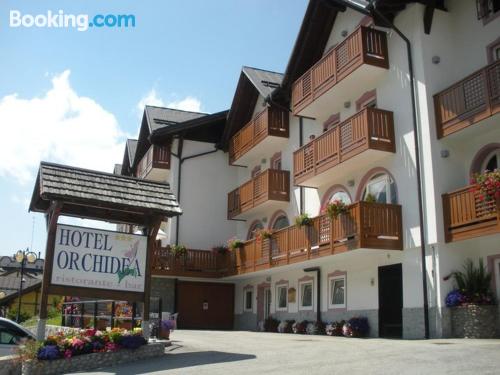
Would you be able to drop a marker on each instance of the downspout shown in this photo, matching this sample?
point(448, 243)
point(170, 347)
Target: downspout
point(318, 288)
point(372, 10)
point(181, 161)
point(416, 132)
point(301, 143)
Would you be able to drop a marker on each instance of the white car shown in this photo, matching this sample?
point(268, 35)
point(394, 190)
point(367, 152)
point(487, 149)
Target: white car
point(11, 336)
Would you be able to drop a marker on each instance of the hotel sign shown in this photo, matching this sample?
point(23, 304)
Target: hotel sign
point(93, 258)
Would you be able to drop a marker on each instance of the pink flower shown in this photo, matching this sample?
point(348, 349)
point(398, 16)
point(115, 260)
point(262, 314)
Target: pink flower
point(67, 353)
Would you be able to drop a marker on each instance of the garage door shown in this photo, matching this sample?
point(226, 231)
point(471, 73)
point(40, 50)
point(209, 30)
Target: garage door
point(205, 305)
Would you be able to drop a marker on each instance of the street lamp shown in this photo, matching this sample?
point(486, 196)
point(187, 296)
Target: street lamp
point(23, 256)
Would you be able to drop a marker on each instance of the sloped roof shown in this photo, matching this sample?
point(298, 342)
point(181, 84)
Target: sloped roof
point(131, 149)
point(265, 81)
point(102, 196)
point(9, 283)
point(159, 117)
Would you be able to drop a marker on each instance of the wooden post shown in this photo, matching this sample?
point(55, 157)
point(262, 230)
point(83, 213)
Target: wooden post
point(95, 314)
point(82, 316)
point(112, 325)
point(152, 232)
point(52, 216)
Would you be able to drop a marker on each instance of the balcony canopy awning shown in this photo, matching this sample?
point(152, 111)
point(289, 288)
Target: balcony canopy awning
point(102, 196)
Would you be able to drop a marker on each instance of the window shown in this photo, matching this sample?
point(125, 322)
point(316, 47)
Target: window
point(11, 335)
point(492, 161)
point(255, 171)
point(254, 228)
point(248, 300)
point(367, 100)
point(282, 299)
point(306, 295)
point(341, 196)
point(331, 122)
point(281, 222)
point(486, 9)
point(382, 188)
point(337, 292)
point(276, 161)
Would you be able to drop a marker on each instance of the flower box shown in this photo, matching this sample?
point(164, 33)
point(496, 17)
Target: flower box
point(92, 361)
point(474, 321)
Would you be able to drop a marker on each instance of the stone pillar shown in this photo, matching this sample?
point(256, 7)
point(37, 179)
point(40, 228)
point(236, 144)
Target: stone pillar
point(40, 329)
point(145, 329)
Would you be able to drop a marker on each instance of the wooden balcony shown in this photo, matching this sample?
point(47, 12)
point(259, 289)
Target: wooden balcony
point(363, 138)
point(365, 225)
point(270, 190)
point(344, 73)
point(262, 134)
point(467, 216)
point(469, 101)
point(155, 164)
point(196, 263)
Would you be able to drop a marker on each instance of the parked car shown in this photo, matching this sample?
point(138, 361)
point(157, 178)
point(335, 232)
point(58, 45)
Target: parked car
point(11, 336)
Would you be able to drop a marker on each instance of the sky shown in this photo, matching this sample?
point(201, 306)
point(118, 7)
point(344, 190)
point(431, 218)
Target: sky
point(74, 97)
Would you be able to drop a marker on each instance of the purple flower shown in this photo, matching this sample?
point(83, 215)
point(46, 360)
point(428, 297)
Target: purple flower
point(454, 298)
point(48, 352)
point(167, 324)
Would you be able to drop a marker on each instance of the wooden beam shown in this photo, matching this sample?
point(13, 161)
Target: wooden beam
point(153, 229)
point(52, 216)
point(428, 15)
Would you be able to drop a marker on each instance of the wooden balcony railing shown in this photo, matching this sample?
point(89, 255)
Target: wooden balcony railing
point(155, 157)
point(365, 225)
point(363, 46)
point(467, 216)
point(269, 122)
point(196, 263)
point(371, 128)
point(269, 185)
point(469, 101)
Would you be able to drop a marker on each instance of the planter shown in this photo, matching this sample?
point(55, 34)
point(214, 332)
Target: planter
point(87, 362)
point(474, 321)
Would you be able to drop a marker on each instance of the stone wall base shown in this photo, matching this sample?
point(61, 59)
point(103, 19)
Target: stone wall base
point(474, 321)
point(92, 361)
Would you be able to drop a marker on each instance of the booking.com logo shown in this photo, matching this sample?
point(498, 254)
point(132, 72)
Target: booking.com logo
point(80, 22)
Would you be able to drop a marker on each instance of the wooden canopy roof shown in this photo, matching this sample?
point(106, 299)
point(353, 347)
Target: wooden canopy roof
point(102, 196)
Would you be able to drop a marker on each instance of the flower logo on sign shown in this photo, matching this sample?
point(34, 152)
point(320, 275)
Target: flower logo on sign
point(130, 254)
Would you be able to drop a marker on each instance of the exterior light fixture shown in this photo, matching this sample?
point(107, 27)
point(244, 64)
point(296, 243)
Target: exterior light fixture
point(22, 257)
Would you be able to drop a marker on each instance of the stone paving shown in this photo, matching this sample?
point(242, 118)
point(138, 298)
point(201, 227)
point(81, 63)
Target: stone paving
point(213, 352)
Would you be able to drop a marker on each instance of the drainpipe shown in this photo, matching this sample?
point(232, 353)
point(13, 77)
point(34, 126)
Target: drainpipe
point(179, 180)
point(372, 10)
point(318, 288)
point(301, 143)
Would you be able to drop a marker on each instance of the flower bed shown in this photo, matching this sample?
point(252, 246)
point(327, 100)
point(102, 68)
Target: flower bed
point(86, 349)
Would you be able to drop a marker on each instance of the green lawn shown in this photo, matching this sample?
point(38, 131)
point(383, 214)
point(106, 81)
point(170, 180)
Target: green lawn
point(54, 321)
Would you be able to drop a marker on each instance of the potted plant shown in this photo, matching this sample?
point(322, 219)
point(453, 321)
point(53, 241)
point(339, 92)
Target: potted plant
point(488, 185)
point(471, 303)
point(271, 324)
point(315, 328)
point(356, 327)
point(335, 328)
point(300, 327)
point(370, 198)
point(235, 244)
point(264, 234)
point(286, 326)
point(220, 249)
point(303, 220)
point(336, 208)
point(178, 250)
point(166, 327)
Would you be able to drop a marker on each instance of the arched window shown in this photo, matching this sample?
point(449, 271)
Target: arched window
point(491, 161)
point(254, 228)
point(382, 188)
point(336, 192)
point(280, 222)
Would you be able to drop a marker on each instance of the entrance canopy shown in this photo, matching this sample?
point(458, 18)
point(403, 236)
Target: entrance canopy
point(102, 196)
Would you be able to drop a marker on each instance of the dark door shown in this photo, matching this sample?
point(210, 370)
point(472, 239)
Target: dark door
point(205, 305)
point(390, 301)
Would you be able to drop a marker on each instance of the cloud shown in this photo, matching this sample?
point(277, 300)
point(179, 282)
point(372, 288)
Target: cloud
point(189, 103)
point(60, 126)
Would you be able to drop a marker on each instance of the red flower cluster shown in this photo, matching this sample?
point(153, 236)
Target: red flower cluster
point(487, 184)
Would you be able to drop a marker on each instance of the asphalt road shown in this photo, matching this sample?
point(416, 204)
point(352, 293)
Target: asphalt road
point(214, 352)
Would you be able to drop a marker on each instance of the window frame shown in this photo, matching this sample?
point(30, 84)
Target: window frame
point(245, 300)
point(278, 288)
point(389, 181)
point(331, 284)
point(301, 305)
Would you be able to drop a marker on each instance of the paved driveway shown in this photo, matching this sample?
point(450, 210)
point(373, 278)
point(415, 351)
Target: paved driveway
point(210, 352)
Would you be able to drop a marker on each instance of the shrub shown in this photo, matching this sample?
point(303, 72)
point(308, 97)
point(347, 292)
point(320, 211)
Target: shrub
point(23, 316)
point(220, 249)
point(335, 328)
point(370, 198)
point(300, 327)
point(264, 234)
point(303, 220)
point(235, 244)
point(356, 327)
point(473, 283)
point(178, 250)
point(271, 324)
point(286, 326)
point(315, 328)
